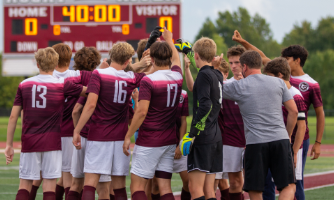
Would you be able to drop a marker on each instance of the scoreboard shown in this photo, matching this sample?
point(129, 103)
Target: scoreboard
point(33, 24)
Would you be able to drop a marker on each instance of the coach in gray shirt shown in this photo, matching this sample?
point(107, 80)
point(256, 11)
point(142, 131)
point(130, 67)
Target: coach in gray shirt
point(260, 100)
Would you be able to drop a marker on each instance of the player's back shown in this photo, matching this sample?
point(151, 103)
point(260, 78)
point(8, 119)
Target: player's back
point(109, 121)
point(163, 89)
point(67, 126)
point(42, 99)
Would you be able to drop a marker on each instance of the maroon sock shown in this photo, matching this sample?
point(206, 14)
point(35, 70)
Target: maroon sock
point(236, 196)
point(225, 194)
point(112, 197)
point(73, 195)
point(49, 196)
point(33, 192)
point(88, 193)
point(80, 196)
point(185, 195)
point(120, 194)
point(59, 192)
point(155, 196)
point(168, 196)
point(22, 195)
point(66, 192)
point(139, 195)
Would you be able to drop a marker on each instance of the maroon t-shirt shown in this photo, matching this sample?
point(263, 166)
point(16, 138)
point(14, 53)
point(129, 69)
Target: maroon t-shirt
point(310, 90)
point(81, 77)
point(42, 99)
point(110, 119)
point(302, 109)
point(163, 89)
point(231, 123)
point(182, 110)
point(85, 129)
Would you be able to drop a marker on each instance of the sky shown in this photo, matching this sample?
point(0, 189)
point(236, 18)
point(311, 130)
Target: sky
point(280, 14)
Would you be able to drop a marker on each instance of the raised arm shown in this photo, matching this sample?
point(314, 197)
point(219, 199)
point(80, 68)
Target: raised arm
point(168, 36)
point(237, 37)
point(188, 75)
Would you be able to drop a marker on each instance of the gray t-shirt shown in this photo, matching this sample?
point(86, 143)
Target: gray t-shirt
point(260, 99)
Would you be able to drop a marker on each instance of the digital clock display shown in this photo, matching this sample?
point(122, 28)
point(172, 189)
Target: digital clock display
point(33, 24)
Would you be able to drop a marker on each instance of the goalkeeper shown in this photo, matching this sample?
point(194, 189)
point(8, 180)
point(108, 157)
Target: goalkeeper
point(205, 152)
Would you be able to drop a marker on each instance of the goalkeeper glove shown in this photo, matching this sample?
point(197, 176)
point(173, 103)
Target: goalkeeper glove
point(186, 144)
point(183, 46)
point(155, 34)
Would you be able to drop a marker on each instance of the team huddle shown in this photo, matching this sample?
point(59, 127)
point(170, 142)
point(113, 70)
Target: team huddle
point(248, 133)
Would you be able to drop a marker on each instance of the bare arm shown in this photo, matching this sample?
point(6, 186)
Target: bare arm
point(135, 95)
point(142, 64)
point(87, 112)
point(237, 37)
point(319, 111)
point(76, 113)
point(189, 77)
point(183, 128)
point(83, 92)
point(137, 120)
point(168, 36)
point(9, 151)
point(291, 107)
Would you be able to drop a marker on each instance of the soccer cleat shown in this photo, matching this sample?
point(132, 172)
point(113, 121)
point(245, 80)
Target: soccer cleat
point(186, 144)
point(155, 34)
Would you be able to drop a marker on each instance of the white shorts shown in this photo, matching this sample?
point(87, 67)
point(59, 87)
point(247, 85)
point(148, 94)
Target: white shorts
point(31, 165)
point(232, 158)
point(78, 159)
point(106, 158)
point(222, 175)
point(67, 151)
point(299, 165)
point(180, 165)
point(147, 160)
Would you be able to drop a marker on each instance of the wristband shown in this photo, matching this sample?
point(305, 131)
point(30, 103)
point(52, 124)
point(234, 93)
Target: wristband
point(317, 142)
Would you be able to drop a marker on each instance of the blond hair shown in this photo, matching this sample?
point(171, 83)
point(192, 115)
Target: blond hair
point(121, 52)
point(206, 49)
point(47, 59)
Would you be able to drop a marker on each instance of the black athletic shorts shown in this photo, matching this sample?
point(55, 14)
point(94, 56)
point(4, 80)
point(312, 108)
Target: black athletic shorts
point(206, 158)
point(276, 156)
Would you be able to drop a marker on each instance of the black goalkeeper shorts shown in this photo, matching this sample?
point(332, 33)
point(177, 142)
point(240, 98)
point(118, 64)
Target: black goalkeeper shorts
point(206, 158)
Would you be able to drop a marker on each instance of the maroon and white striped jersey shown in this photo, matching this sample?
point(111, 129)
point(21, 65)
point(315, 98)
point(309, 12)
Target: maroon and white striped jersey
point(81, 77)
point(110, 119)
point(310, 90)
point(302, 109)
point(231, 123)
point(42, 99)
point(163, 89)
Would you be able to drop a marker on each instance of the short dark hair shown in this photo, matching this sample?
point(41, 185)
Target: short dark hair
point(235, 51)
point(161, 53)
point(278, 65)
point(65, 54)
point(252, 59)
point(296, 51)
point(87, 58)
point(141, 48)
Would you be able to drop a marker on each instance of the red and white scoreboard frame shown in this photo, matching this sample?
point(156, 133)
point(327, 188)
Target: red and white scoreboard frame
point(33, 24)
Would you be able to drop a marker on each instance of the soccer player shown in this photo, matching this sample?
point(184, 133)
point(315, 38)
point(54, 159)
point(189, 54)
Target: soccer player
point(87, 58)
point(309, 88)
point(42, 100)
point(205, 158)
point(260, 99)
point(62, 71)
point(232, 127)
point(280, 68)
point(159, 93)
point(107, 105)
